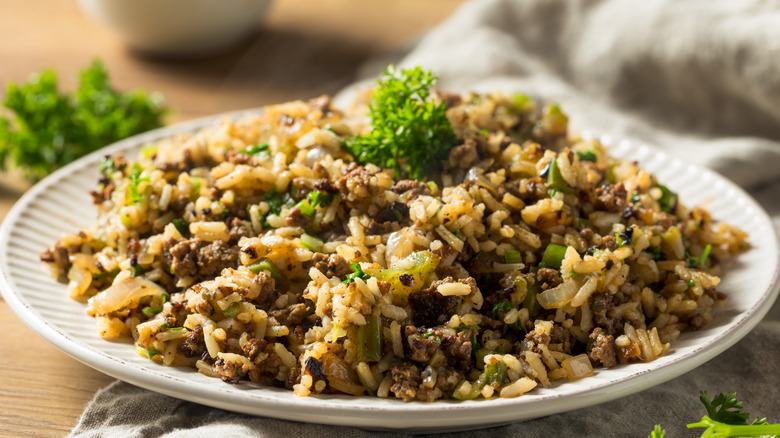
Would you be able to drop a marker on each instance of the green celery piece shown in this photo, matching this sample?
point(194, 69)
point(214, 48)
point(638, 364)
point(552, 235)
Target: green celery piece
point(555, 179)
point(423, 264)
point(476, 388)
point(554, 255)
point(268, 266)
point(369, 345)
point(311, 243)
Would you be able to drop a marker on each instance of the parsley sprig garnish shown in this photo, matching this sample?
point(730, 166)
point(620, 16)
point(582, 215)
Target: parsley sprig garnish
point(411, 133)
point(50, 129)
point(357, 273)
point(725, 419)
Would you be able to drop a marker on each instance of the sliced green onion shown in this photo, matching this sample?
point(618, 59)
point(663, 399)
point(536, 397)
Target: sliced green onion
point(521, 102)
point(503, 305)
point(150, 311)
point(554, 255)
point(107, 166)
point(531, 302)
point(357, 273)
point(148, 151)
point(195, 192)
point(691, 283)
point(137, 270)
point(152, 352)
point(181, 226)
point(611, 178)
point(232, 310)
point(369, 348)
point(555, 179)
point(496, 373)
point(476, 389)
point(668, 199)
point(311, 243)
point(582, 223)
point(635, 198)
point(257, 149)
point(704, 255)
point(588, 155)
point(511, 256)
point(268, 266)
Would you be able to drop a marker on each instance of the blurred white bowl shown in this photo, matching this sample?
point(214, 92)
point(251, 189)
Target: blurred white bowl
point(178, 27)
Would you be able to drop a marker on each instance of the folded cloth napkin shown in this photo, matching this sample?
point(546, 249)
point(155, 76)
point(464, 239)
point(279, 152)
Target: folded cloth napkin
point(694, 77)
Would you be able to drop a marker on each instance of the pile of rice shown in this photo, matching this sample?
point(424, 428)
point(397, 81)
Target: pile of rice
point(532, 257)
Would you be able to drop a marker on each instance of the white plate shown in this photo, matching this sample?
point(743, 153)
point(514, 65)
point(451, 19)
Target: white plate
point(60, 204)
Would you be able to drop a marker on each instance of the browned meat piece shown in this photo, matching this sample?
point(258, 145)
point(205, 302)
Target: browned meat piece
point(421, 348)
point(184, 165)
point(296, 218)
point(324, 185)
point(696, 322)
point(548, 278)
point(586, 234)
point(104, 193)
point(375, 228)
point(215, 257)
point(230, 372)
point(267, 288)
point(292, 315)
point(448, 380)
point(204, 308)
point(396, 212)
point(356, 183)
point(464, 155)
point(430, 308)
point(332, 265)
point(611, 197)
point(538, 338)
point(603, 303)
point(610, 243)
point(254, 347)
point(179, 204)
point(58, 255)
point(560, 335)
point(459, 346)
point(133, 245)
point(235, 157)
point(237, 229)
point(183, 256)
point(404, 185)
point(293, 378)
point(192, 344)
point(407, 380)
point(450, 99)
point(321, 104)
point(603, 349)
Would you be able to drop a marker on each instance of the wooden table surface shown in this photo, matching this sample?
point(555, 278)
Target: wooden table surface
point(303, 49)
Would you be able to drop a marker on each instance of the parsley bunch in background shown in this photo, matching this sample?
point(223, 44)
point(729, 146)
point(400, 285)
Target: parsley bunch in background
point(49, 129)
point(411, 133)
point(726, 419)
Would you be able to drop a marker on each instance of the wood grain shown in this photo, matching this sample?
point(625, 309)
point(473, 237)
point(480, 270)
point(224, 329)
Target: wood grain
point(304, 48)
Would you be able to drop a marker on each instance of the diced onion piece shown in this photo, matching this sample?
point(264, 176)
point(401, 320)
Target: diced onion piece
point(124, 294)
point(577, 367)
point(558, 296)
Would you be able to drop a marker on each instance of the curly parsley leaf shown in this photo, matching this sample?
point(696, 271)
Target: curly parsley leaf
point(50, 129)
point(411, 133)
point(657, 432)
point(357, 273)
point(725, 419)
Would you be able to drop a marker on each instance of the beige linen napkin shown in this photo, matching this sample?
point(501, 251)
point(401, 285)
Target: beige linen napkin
point(698, 78)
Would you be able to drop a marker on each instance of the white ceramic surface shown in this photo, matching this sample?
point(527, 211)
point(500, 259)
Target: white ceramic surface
point(60, 204)
point(178, 27)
